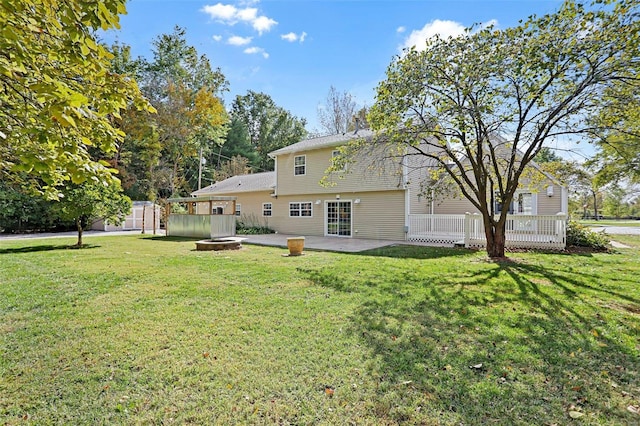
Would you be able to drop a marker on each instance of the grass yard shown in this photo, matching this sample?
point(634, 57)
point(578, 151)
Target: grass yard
point(610, 222)
point(143, 330)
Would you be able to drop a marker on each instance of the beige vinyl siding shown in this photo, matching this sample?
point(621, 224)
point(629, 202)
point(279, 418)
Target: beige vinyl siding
point(545, 205)
point(379, 215)
point(550, 205)
point(453, 205)
point(361, 177)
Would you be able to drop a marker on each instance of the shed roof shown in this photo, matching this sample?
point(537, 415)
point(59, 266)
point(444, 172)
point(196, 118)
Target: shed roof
point(242, 183)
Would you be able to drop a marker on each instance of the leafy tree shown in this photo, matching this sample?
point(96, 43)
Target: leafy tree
point(90, 201)
point(191, 119)
point(617, 134)
point(546, 155)
point(337, 113)
point(269, 127)
point(21, 211)
point(237, 143)
point(237, 165)
point(57, 95)
point(452, 101)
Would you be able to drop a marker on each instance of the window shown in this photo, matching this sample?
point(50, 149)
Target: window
point(266, 209)
point(335, 154)
point(217, 210)
point(300, 209)
point(300, 165)
point(522, 203)
point(238, 209)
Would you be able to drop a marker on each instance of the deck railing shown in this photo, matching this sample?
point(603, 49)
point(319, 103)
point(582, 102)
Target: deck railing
point(522, 231)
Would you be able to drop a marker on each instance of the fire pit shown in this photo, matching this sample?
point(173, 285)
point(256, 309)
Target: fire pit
point(228, 243)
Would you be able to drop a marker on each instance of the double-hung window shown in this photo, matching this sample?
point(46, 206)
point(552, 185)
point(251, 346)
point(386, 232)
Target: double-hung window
point(300, 209)
point(300, 165)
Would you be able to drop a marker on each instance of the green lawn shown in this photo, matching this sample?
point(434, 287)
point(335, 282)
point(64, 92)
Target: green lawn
point(610, 222)
point(143, 330)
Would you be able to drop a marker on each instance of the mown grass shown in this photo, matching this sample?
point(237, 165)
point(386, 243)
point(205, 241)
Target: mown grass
point(610, 222)
point(142, 330)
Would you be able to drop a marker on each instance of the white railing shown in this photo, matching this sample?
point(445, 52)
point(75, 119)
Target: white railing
point(522, 231)
point(436, 228)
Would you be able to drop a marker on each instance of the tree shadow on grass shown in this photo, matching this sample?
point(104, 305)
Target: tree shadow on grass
point(508, 344)
point(416, 252)
point(171, 239)
point(48, 247)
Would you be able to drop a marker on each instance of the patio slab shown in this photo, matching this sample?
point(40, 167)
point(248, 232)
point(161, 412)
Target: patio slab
point(346, 245)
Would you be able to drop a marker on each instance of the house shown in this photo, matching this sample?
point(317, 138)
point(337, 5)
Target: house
point(382, 202)
point(143, 214)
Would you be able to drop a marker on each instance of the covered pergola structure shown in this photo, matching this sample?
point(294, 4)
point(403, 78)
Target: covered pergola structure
point(201, 217)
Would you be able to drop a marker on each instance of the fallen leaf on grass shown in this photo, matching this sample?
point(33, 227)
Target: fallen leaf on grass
point(575, 414)
point(328, 390)
point(633, 409)
point(476, 366)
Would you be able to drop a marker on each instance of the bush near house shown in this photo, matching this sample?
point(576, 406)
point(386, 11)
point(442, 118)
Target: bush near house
point(579, 235)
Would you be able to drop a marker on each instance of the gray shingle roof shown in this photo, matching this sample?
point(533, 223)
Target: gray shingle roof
point(243, 183)
point(322, 142)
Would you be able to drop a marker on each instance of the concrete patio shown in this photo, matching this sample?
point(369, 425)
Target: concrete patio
point(347, 245)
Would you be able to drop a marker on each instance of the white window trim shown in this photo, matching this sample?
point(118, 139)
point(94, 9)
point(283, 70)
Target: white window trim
point(264, 209)
point(238, 211)
point(336, 153)
point(299, 165)
point(300, 209)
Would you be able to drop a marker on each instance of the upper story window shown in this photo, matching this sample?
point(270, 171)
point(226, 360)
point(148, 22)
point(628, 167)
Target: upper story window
point(300, 165)
point(267, 209)
point(334, 155)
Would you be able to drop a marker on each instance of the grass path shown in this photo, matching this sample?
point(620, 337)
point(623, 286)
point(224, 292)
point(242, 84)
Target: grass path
point(143, 330)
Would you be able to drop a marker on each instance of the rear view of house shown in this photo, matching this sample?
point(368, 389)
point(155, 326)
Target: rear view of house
point(380, 195)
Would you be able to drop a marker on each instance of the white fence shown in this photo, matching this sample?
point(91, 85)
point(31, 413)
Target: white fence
point(522, 231)
point(436, 228)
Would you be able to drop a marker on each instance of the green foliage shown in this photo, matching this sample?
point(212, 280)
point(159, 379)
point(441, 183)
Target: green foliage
point(579, 235)
point(57, 94)
point(454, 100)
point(88, 202)
point(22, 211)
point(252, 225)
point(268, 126)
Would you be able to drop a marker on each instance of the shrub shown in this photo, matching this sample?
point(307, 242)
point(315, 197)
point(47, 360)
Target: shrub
point(251, 225)
point(580, 236)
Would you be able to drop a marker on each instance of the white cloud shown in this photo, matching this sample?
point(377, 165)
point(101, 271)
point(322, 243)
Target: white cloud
point(256, 50)
point(239, 41)
point(289, 37)
point(262, 24)
point(249, 14)
point(229, 14)
point(217, 37)
point(292, 37)
point(444, 29)
point(222, 12)
point(400, 30)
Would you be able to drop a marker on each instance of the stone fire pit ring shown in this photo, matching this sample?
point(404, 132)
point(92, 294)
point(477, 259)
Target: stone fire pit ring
point(217, 244)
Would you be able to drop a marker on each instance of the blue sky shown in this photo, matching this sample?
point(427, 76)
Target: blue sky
point(294, 50)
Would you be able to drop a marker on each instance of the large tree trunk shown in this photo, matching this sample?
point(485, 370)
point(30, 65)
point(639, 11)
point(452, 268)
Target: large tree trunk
point(79, 226)
point(495, 235)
